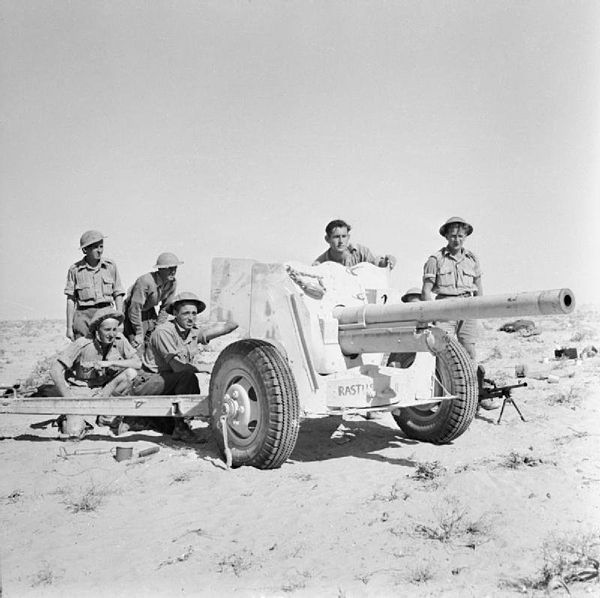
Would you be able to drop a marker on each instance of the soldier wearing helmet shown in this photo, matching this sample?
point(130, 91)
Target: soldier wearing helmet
point(147, 292)
point(168, 363)
point(92, 284)
point(455, 272)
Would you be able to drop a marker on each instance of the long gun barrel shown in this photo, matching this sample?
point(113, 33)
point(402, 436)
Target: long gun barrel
point(557, 301)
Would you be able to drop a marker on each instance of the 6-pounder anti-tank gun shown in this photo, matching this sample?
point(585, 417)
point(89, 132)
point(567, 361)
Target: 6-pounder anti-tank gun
point(316, 341)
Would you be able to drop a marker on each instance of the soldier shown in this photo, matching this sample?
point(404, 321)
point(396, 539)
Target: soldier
point(147, 292)
point(405, 360)
point(92, 283)
point(337, 235)
point(454, 272)
point(103, 364)
point(168, 363)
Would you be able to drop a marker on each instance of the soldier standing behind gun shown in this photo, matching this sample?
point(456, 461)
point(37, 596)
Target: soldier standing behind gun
point(93, 283)
point(337, 236)
point(147, 292)
point(455, 272)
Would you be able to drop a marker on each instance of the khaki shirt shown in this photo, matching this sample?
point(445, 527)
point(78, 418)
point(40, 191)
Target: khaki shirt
point(145, 294)
point(168, 341)
point(86, 350)
point(355, 254)
point(452, 275)
point(89, 286)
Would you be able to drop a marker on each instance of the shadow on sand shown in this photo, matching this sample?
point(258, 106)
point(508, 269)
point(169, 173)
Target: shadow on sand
point(319, 439)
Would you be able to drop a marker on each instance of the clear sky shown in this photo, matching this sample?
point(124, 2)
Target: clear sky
point(241, 128)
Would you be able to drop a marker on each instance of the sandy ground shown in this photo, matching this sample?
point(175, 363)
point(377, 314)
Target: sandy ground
point(358, 510)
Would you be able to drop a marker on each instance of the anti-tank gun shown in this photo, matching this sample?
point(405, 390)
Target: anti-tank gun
point(314, 343)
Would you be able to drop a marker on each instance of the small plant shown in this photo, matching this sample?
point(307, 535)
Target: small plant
point(393, 494)
point(15, 496)
point(87, 500)
point(453, 520)
point(428, 471)
point(514, 460)
point(571, 558)
point(237, 563)
point(566, 559)
point(45, 576)
point(184, 476)
point(420, 573)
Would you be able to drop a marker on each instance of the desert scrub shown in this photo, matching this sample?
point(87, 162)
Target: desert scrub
point(452, 521)
point(46, 576)
point(179, 478)
point(567, 558)
point(514, 460)
point(87, 499)
point(428, 471)
point(420, 573)
point(14, 497)
point(393, 494)
point(236, 563)
point(573, 557)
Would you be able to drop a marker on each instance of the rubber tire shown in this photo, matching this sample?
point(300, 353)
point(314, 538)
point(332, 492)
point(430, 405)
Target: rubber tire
point(451, 418)
point(276, 432)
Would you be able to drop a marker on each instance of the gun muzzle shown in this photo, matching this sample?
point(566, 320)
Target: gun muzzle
point(540, 303)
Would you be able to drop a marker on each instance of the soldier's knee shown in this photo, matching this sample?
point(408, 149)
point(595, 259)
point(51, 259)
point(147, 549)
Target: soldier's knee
point(130, 374)
point(188, 381)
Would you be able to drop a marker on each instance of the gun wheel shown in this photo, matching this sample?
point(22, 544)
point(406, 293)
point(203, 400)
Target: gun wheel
point(442, 422)
point(253, 386)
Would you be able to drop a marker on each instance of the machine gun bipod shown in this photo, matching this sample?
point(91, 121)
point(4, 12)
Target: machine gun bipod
point(491, 390)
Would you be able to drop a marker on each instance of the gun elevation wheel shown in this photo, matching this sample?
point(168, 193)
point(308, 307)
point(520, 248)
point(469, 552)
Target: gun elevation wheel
point(253, 386)
point(442, 422)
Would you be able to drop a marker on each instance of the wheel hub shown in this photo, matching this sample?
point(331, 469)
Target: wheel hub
point(237, 408)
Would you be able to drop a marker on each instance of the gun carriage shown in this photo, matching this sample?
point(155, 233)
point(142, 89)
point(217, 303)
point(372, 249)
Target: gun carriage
point(323, 340)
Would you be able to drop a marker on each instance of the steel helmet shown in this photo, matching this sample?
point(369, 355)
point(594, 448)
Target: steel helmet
point(187, 297)
point(455, 220)
point(410, 294)
point(167, 260)
point(89, 237)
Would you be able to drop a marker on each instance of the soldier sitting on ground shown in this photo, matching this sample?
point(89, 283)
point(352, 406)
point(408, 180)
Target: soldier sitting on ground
point(147, 292)
point(337, 236)
point(103, 364)
point(92, 284)
point(168, 363)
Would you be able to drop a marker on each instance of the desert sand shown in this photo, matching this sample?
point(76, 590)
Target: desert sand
point(358, 509)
